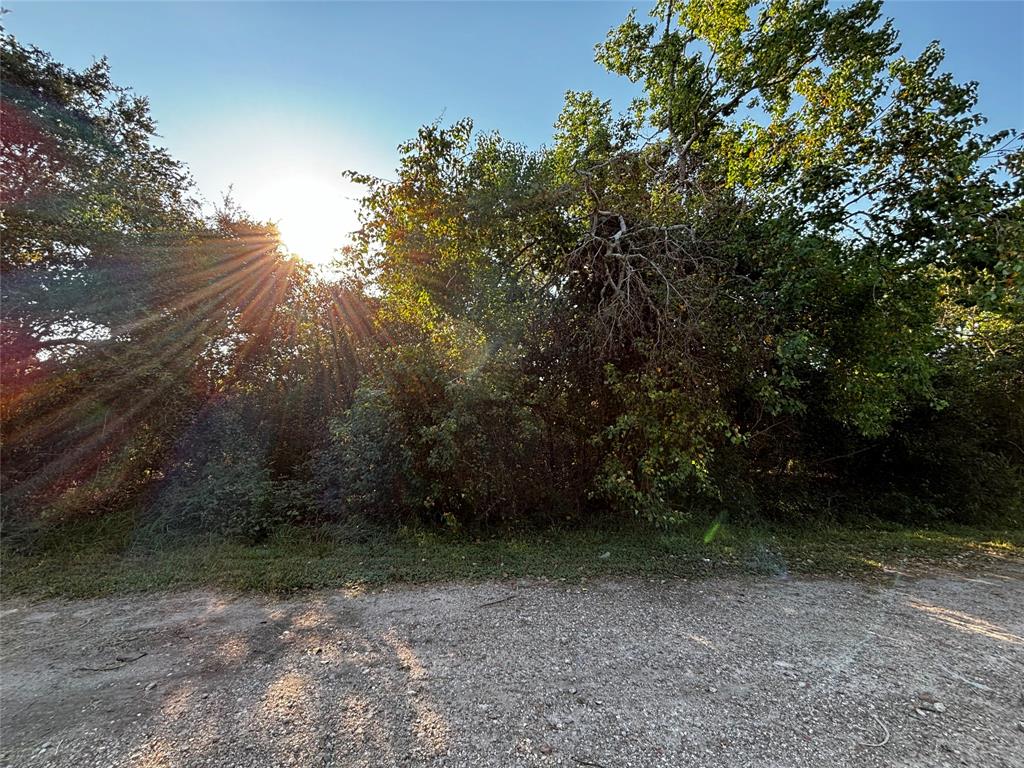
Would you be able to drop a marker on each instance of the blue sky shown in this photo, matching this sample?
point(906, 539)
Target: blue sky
point(278, 98)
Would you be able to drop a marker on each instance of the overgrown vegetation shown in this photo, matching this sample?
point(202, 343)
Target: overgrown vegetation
point(101, 556)
point(786, 285)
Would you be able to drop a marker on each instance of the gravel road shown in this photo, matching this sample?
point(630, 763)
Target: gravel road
point(717, 672)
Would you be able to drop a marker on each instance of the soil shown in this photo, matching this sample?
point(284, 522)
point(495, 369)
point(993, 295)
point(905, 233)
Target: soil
point(716, 672)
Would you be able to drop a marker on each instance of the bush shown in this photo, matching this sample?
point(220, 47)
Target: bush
point(365, 471)
point(467, 450)
point(221, 481)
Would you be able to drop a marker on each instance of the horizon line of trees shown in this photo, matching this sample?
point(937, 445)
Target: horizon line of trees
point(788, 281)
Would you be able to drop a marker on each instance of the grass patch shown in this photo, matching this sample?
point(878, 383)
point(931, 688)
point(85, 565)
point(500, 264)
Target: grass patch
point(102, 557)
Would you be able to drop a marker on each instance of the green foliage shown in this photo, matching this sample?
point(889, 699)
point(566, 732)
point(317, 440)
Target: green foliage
point(83, 188)
point(660, 448)
point(427, 439)
point(788, 281)
point(365, 471)
point(127, 317)
point(96, 557)
point(223, 485)
point(223, 481)
point(754, 301)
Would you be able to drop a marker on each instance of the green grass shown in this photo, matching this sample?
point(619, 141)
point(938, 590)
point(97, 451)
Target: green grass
point(104, 556)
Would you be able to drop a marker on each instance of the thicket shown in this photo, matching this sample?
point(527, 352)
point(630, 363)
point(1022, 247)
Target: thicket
point(788, 281)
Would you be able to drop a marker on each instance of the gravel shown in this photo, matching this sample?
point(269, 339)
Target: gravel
point(716, 672)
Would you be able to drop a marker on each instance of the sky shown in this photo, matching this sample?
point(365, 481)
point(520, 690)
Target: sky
point(277, 99)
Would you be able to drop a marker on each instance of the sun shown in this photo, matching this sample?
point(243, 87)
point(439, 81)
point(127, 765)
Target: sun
point(314, 215)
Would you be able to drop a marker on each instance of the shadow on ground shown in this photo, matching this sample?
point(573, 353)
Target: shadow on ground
point(717, 672)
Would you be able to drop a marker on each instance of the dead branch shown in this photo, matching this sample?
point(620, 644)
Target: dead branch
point(885, 739)
point(497, 602)
point(646, 280)
point(123, 659)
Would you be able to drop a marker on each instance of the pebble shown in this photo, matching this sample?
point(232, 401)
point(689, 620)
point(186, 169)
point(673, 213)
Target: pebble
point(490, 694)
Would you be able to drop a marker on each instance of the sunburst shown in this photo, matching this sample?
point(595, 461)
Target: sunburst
point(314, 216)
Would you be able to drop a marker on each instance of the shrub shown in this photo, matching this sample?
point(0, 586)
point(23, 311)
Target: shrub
point(220, 482)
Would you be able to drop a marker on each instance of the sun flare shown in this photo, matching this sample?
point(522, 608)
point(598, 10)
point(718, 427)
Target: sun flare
point(315, 217)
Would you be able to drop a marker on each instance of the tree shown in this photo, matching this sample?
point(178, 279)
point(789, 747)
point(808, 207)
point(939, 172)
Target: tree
point(755, 277)
point(787, 279)
point(127, 315)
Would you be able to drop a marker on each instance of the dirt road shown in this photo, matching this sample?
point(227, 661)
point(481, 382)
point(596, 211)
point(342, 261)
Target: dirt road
point(744, 672)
